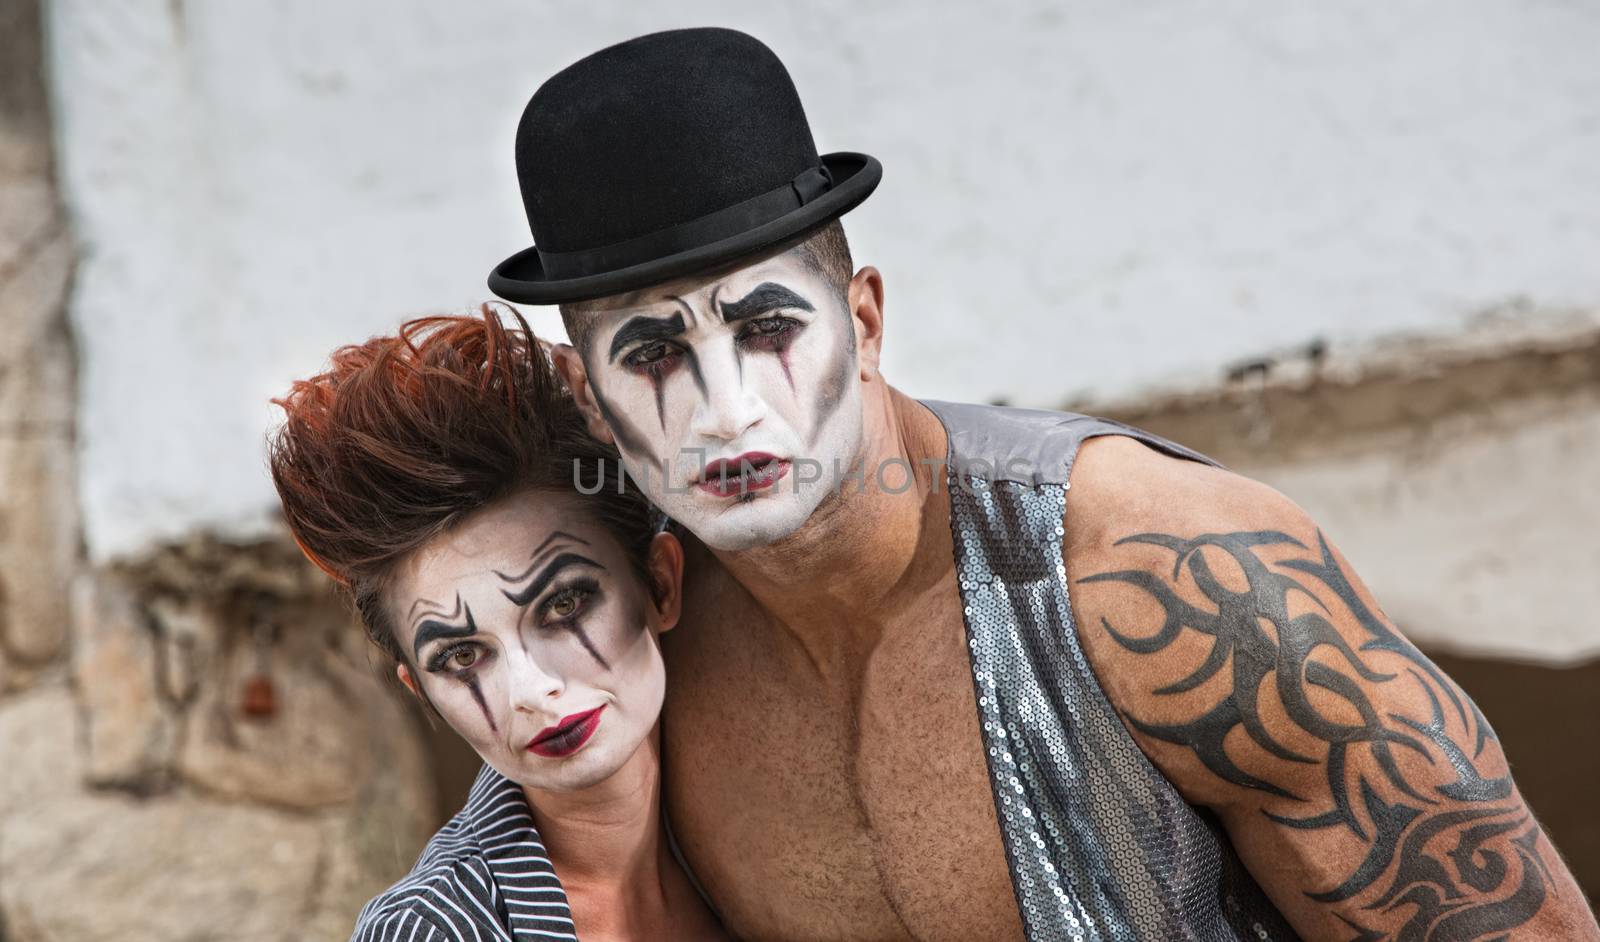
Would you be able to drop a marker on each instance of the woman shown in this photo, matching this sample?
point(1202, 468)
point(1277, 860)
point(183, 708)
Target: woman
point(496, 553)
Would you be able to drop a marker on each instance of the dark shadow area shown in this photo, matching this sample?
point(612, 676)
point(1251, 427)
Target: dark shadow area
point(1548, 720)
point(455, 765)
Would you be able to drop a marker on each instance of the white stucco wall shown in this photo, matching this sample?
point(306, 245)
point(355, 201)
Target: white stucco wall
point(1078, 197)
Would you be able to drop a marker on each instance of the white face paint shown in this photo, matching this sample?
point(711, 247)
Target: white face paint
point(522, 621)
point(756, 369)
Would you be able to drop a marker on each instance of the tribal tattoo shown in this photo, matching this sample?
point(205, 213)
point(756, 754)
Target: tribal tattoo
point(1450, 852)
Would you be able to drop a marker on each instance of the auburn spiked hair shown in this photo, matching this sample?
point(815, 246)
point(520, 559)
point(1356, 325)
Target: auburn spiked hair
point(404, 435)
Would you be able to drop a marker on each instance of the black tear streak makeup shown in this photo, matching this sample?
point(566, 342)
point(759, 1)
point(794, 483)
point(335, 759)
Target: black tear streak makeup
point(628, 437)
point(699, 378)
point(477, 694)
point(688, 354)
point(432, 630)
point(766, 297)
point(588, 645)
point(534, 589)
point(831, 393)
point(661, 407)
point(783, 361)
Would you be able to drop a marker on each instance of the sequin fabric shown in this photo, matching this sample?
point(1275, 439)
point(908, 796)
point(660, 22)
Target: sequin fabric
point(1100, 845)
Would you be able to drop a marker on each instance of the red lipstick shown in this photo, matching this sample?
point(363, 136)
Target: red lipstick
point(751, 471)
point(567, 736)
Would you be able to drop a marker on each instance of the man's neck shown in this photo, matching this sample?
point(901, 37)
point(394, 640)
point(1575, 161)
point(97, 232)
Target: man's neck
point(854, 554)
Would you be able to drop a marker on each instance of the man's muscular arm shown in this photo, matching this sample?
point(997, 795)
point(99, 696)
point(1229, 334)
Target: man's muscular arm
point(1360, 785)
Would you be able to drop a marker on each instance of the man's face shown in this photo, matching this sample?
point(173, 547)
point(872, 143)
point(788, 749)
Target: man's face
point(734, 400)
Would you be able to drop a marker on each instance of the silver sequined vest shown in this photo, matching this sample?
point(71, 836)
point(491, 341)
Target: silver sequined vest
point(1100, 845)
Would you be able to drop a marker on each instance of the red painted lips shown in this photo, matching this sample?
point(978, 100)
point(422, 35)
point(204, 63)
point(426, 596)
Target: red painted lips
point(567, 736)
point(751, 471)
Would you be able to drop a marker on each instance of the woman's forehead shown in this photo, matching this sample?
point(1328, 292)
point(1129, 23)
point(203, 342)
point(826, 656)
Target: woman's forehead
point(501, 540)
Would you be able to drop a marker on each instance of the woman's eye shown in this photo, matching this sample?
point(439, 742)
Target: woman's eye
point(566, 603)
point(458, 658)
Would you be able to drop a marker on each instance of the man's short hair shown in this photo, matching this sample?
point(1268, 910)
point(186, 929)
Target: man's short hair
point(825, 251)
point(828, 254)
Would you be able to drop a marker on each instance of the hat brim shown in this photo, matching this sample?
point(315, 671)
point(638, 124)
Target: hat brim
point(521, 277)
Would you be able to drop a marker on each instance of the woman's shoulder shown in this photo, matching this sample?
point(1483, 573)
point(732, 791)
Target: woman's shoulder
point(450, 892)
point(446, 895)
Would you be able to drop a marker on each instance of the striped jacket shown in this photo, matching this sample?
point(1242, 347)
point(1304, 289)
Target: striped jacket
point(484, 877)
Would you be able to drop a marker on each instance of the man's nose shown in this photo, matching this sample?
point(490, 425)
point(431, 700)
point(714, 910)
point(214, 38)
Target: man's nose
point(728, 405)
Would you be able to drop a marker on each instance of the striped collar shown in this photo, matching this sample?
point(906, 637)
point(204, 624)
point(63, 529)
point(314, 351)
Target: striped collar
point(525, 888)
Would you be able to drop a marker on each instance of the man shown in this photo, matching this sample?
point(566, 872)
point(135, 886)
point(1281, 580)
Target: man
point(966, 672)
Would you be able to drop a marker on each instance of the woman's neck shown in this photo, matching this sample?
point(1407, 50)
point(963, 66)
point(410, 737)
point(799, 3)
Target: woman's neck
point(605, 842)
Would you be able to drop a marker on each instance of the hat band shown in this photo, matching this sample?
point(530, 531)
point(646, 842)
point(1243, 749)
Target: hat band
point(740, 217)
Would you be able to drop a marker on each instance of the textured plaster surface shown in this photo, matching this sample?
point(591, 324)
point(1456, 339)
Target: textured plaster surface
point(1080, 199)
point(1457, 477)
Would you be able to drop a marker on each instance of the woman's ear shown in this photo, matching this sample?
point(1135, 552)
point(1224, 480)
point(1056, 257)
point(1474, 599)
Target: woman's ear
point(404, 673)
point(569, 366)
point(666, 574)
point(429, 711)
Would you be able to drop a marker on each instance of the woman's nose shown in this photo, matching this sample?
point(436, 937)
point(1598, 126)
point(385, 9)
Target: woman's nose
point(530, 685)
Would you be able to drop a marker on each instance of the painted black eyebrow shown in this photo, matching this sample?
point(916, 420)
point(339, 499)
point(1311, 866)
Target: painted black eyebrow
point(531, 591)
point(767, 296)
point(432, 630)
point(645, 328)
point(438, 609)
point(538, 553)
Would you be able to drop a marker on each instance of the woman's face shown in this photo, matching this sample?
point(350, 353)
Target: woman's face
point(535, 639)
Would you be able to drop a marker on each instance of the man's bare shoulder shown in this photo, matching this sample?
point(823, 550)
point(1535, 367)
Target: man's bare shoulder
point(1127, 501)
point(1121, 485)
point(1357, 782)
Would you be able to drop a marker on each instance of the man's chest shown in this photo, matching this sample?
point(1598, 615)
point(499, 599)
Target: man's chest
point(851, 807)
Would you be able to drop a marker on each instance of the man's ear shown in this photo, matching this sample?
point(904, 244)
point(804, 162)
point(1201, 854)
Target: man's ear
point(866, 318)
point(666, 577)
point(570, 366)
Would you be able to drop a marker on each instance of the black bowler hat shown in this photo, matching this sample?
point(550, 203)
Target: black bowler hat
point(662, 156)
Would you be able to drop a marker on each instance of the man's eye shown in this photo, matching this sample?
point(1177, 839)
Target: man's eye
point(768, 327)
point(648, 356)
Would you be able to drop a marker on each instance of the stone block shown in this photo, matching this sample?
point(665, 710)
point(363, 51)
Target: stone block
point(90, 866)
point(324, 730)
point(130, 732)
